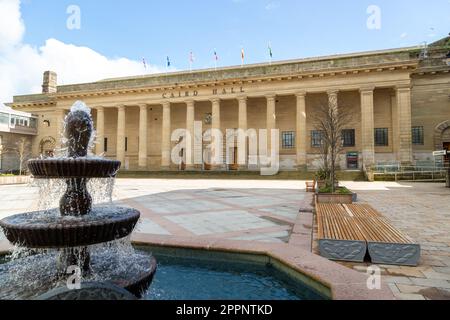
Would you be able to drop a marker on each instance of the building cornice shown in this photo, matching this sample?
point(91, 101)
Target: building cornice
point(404, 60)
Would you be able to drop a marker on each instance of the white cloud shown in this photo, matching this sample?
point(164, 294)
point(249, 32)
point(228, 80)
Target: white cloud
point(11, 24)
point(22, 66)
point(404, 35)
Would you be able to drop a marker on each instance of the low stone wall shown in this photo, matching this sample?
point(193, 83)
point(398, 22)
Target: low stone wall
point(8, 180)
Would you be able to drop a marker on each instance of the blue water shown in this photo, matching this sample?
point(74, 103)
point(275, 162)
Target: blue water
point(188, 279)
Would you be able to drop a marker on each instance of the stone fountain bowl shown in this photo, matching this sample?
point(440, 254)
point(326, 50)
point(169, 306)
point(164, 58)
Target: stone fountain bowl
point(74, 168)
point(51, 230)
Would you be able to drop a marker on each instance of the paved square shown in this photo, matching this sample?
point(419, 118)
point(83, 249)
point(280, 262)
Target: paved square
point(268, 211)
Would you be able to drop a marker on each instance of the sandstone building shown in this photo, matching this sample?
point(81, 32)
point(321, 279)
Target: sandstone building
point(400, 100)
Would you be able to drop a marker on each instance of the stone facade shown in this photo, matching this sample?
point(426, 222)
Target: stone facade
point(393, 90)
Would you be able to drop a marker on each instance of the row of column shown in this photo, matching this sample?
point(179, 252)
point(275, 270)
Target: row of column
point(401, 125)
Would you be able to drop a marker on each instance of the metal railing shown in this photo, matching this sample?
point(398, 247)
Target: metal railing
point(397, 172)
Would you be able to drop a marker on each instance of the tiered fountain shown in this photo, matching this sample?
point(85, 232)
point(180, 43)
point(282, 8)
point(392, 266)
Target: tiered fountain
point(77, 234)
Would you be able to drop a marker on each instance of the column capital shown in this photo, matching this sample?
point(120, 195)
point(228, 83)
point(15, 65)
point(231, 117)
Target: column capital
point(166, 104)
point(143, 105)
point(215, 100)
point(102, 108)
point(190, 103)
point(332, 92)
point(242, 98)
point(271, 96)
point(121, 107)
point(403, 87)
point(367, 89)
point(300, 94)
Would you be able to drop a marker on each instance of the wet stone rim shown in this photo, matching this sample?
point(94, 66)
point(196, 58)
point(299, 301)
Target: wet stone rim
point(74, 168)
point(64, 233)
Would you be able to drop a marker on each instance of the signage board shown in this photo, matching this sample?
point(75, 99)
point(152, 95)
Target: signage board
point(440, 153)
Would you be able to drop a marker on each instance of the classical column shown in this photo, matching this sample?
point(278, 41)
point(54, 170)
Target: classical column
point(143, 133)
point(301, 134)
point(100, 147)
point(395, 126)
point(190, 119)
point(215, 125)
point(404, 122)
point(367, 126)
point(121, 135)
point(271, 120)
point(166, 135)
point(243, 126)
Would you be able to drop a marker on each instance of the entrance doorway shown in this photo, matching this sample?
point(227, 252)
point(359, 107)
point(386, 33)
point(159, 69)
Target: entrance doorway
point(234, 166)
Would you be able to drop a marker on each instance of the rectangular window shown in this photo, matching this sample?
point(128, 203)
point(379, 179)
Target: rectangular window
point(417, 136)
point(106, 145)
point(126, 144)
point(348, 138)
point(316, 138)
point(381, 137)
point(288, 140)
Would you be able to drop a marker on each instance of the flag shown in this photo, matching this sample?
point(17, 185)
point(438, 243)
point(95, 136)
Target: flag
point(270, 51)
point(145, 63)
point(242, 55)
point(168, 61)
point(191, 57)
point(216, 57)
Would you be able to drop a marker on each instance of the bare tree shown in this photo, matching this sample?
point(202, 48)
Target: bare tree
point(330, 120)
point(21, 148)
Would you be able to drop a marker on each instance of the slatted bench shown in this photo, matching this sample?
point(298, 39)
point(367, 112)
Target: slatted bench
point(348, 231)
point(386, 244)
point(338, 238)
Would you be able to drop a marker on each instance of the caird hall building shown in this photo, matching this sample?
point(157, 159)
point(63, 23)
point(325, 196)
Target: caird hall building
point(400, 101)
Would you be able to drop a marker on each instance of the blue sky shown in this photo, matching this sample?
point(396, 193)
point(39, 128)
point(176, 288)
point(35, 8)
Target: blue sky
point(295, 28)
point(115, 35)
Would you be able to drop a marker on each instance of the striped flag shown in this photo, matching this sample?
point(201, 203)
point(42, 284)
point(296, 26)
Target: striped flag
point(270, 51)
point(168, 61)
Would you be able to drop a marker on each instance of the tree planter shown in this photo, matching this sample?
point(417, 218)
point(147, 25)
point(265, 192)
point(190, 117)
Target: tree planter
point(335, 198)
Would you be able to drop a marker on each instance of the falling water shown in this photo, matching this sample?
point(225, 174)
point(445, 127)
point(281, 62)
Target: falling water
point(32, 272)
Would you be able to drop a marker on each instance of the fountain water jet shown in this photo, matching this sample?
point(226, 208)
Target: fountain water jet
point(73, 230)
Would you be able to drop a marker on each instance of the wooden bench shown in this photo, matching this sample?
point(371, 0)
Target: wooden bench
point(338, 238)
point(310, 186)
point(388, 245)
point(343, 228)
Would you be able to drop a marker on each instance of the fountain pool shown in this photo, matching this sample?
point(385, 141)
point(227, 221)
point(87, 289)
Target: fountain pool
point(200, 275)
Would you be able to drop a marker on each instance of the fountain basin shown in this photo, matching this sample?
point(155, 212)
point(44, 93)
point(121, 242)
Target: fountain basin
point(32, 277)
point(51, 230)
point(73, 168)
